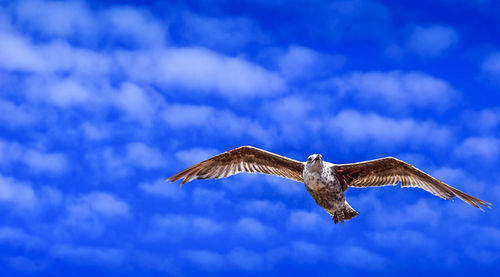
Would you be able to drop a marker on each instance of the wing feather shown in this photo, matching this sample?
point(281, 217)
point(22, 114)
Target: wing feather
point(391, 171)
point(242, 159)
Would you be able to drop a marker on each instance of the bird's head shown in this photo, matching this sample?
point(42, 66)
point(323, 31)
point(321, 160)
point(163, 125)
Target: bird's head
point(315, 162)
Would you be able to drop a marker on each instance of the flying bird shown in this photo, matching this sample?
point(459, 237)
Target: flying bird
point(326, 182)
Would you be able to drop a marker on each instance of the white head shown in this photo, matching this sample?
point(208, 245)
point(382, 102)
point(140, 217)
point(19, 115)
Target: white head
point(315, 163)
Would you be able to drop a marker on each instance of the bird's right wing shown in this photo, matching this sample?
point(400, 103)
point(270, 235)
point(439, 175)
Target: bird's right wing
point(242, 159)
point(390, 171)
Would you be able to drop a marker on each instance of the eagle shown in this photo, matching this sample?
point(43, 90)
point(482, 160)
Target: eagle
point(326, 182)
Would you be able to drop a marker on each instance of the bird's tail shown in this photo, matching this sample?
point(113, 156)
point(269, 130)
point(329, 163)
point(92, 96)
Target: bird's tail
point(344, 213)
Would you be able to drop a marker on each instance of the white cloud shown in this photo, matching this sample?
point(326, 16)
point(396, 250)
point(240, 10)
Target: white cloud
point(175, 228)
point(209, 197)
point(214, 121)
point(132, 24)
point(64, 93)
point(484, 120)
point(201, 70)
point(94, 132)
point(16, 115)
point(483, 148)
point(18, 53)
point(18, 237)
point(410, 238)
point(100, 204)
point(306, 221)
point(20, 195)
point(353, 127)
point(245, 259)
point(38, 161)
point(88, 254)
point(263, 208)
point(300, 61)
point(90, 213)
point(138, 103)
point(432, 41)
point(74, 19)
point(195, 155)
point(204, 258)
point(490, 66)
point(26, 264)
point(142, 155)
point(46, 162)
point(397, 90)
point(163, 188)
point(253, 229)
point(285, 187)
point(306, 251)
point(421, 212)
point(358, 257)
point(220, 33)
point(57, 18)
point(116, 163)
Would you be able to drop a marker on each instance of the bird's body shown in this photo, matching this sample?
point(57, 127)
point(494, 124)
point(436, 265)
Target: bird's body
point(327, 190)
point(326, 182)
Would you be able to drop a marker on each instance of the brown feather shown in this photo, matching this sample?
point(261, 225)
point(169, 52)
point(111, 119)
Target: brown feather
point(245, 158)
point(391, 171)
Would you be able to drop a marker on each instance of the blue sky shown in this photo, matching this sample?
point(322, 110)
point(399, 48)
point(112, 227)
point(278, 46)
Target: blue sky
point(102, 101)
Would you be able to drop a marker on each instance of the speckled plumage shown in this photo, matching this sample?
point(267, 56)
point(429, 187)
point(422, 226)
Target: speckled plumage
point(326, 188)
point(326, 182)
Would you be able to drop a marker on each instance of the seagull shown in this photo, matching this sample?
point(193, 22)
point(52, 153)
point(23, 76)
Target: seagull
point(326, 182)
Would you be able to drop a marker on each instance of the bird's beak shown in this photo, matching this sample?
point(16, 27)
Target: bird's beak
point(316, 158)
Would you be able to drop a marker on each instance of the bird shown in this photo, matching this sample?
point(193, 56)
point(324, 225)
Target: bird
point(326, 182)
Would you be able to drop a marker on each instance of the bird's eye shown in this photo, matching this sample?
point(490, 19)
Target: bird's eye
point(309, 159)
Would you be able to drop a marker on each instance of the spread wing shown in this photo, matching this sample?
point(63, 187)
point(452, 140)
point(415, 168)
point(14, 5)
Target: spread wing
point(390, 171)
point(242, 159)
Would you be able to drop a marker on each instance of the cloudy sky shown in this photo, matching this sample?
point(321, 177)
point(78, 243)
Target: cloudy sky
point(101, 102)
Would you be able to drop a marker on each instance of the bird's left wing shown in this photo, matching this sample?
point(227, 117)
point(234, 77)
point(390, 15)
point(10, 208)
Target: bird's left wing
point(390, 171)
point(242, 159)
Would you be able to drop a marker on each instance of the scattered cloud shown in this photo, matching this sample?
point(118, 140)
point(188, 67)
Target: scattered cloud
point(483, 148)
point(142, 155)
point(57, 18)
point(138, 103)
point(264, 207)
point(19, 237)
point(485, 120)
point(16, 115)
point(358, 257)
point(245, 259)
point(214, 121)
point(55, 163)
point(491, 65)
point(204, 258)
point(20, 195)
point(202, 71)
point(397, 90)
point(89, 254)
point(392, 239)
point(89, 214)
point(300, 62)
point(230, 33)
point(432, 41)
point(195, 155)
point(163, 188)
point(36, 160)
point(253, 229)
point(311, 222)
point(175, 228)
point(91, 92)
point(354, 127)
point(209, 197)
